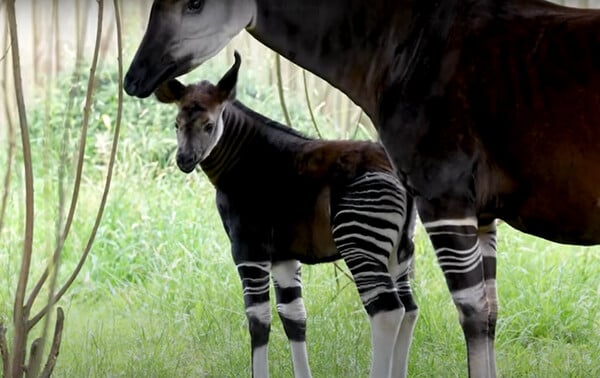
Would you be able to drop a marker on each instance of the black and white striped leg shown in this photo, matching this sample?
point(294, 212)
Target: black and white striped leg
point(367, 219)
point(459, 254)
point(290, 306)
point(401, 269)
point(487, 241)
point(405, 333)
point(255, 277)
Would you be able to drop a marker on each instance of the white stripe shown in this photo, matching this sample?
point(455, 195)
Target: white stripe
point(468, 234)
point(261, 312)
point(264, 266)
point(458, 251)
point(359, 253)
point(472, 295)
point(294, 310)
point(471, 261)
point(470, 221)
point(393, 217)
point(370, 295)
point(389, 233)
point(285, 274)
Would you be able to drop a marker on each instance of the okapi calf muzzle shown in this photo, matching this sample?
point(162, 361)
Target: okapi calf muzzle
point(186, 161)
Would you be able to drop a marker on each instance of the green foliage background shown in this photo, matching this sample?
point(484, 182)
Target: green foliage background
point(159, 295)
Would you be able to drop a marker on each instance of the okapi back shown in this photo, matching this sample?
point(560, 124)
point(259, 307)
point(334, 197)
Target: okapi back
point(341, 161)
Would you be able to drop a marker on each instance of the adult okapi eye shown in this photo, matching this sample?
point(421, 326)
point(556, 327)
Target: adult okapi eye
point(209, 127)
point(195, 5)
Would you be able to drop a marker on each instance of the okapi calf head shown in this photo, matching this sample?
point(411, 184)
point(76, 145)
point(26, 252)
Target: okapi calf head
point(199, 122)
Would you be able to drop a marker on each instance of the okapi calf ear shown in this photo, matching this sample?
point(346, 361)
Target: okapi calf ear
point(226, 85)
point(170, 91)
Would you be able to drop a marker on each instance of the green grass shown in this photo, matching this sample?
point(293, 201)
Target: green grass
point(159, 295)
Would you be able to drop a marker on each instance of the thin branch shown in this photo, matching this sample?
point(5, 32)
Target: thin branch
point(11, 144)
point(20, 313)
point(75, 79)
point(55, 348)
point(280, 90)
point(4, 352)
point(79, 169)
point(109, 174)
point(309, 105)
point(341, 270)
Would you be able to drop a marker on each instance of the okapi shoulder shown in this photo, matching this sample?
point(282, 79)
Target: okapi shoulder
point(341, 160)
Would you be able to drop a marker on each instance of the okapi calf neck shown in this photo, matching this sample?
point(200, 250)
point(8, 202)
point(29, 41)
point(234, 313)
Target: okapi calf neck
point(285, 199)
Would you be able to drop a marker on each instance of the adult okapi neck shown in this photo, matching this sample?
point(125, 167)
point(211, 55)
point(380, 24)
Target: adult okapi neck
point(349, 43)
point(238, 133)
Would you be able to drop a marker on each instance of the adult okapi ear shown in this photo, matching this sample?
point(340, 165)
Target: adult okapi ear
point(226, 85)
point(170, 91)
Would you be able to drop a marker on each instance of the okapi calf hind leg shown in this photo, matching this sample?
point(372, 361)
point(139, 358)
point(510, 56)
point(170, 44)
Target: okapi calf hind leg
point(373, 200)
point(405, 333)
point(401, 268)
point(290, 306)
point(457, 246)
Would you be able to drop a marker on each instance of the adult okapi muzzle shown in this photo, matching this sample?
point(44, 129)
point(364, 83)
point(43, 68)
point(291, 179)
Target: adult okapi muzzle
point(199, 122)
point(181, 35)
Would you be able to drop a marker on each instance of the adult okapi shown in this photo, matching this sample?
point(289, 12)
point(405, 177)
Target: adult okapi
point(488, 109)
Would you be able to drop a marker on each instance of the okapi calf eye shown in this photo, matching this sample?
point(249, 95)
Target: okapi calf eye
point(209, 127)
point(195, 5)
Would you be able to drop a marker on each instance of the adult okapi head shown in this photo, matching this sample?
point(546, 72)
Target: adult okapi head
point(199, 122)
point(181, 35)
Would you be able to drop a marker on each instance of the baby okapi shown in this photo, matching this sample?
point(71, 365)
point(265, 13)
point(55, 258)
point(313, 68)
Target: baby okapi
point(286, 199)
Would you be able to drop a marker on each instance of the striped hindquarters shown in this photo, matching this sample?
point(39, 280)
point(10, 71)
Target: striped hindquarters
point(367, 219)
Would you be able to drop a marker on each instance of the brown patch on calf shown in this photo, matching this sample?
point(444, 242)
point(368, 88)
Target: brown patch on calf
point(343, 161)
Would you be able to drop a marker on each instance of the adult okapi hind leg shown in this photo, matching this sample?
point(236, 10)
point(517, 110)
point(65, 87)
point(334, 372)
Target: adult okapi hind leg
point(456, 244)
point(487, 242)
